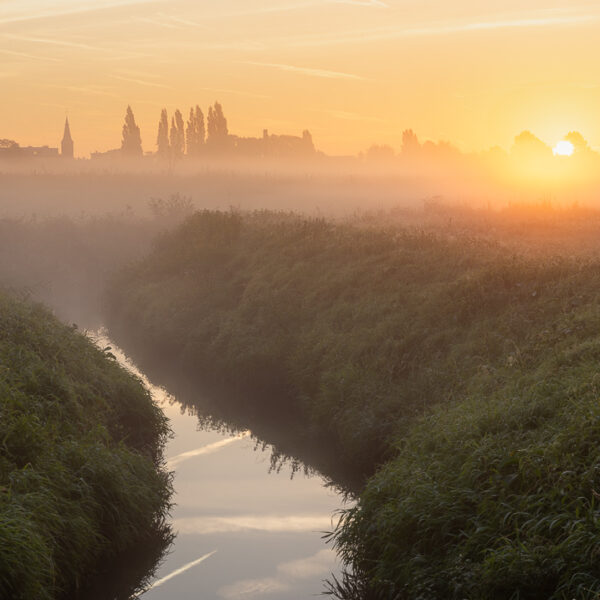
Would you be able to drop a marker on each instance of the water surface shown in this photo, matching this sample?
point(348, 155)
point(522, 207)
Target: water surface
point(243, 530)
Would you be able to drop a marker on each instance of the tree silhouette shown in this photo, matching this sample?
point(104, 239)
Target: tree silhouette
point(309, 146)
point(132, 141)
point(410, 143)
point(578, 141)
point(195, 132)
point(380, 153)
point(177, 135)
point(528, 145)
point(218, 134)
point(162, 140)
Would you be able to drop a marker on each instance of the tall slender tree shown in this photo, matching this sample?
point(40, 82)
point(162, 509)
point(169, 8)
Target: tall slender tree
point(177, 135)
point(131, 145)
point(162, 140)
point(200, 129)
point(195, 132)
point(218, 134)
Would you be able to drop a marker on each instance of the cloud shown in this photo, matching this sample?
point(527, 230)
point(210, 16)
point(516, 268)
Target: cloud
point(208, 449)
point(84, 89)
point(288, 573)
point(142, 82)
point(307, 71)
point(348, 116)
point(270, 9)
point(237, 92)
point(250, 588)
point(181, 570)
point(170, 21)
point(267, 523)
point(319, 564)
point(30, 56)
point(394, 33)
point(378, 3)
point(54, 42)
point(13, 11)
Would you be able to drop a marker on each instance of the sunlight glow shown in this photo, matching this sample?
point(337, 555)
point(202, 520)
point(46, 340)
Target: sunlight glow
point(563, 148)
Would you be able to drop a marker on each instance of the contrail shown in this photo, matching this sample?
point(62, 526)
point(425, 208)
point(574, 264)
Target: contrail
point(205, 449)
point(181, 570)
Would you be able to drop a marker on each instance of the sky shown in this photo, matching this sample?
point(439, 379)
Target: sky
point(353, 72)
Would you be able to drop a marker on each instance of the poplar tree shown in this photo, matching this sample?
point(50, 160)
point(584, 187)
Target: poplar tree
point(200, 130)
point(162, 140)
point(177, 135)
point(217, 127)
point(195, 132)
point(131, 145)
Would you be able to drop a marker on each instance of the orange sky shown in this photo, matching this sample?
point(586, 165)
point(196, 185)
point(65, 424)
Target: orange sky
point(354, 72)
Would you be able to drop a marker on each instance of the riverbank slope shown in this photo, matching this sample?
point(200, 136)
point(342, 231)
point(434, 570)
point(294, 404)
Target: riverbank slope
point(455, 375)
point(81, 477)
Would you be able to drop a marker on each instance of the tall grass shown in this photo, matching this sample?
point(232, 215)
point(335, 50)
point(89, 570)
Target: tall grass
point(459, 375)
point(81, 477)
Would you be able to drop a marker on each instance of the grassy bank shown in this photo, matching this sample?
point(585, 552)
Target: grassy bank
point(461, 371)
point(80, 452)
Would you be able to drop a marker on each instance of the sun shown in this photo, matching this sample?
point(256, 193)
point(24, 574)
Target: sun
point(563, 148)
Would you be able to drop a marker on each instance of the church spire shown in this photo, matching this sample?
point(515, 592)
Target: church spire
point(66, 146)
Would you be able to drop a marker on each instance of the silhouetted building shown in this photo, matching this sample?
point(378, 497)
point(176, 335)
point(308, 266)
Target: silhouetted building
point(114, 154)
point(12, 150)
point(288, 146)
point(66, 146)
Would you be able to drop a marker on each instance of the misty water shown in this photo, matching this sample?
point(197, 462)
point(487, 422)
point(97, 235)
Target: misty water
point(243, 530)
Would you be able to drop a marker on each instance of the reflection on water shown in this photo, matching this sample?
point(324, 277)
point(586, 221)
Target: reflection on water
point(243, 529)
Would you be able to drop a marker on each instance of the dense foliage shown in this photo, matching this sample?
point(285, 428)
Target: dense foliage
point(81, 480)
point(465, 372)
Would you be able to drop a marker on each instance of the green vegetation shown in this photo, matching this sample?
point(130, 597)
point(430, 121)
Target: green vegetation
point(81, 480)
point(463, 373)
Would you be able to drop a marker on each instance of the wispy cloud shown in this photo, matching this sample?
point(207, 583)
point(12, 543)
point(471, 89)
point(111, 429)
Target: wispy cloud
point(306, 71)
point(270, 9)
point(270, 523)
point(377, 3)
point(288, 574)
point(208, 449)
point(236, 92)
point(142, 82)
point(182, 20)
point(392, 33)
point(320, 563)
point(83, 89)
point(30, 56)
point(136, 74)
point(181, 570)
point(348, 116)
point(251, 588)
point(170, 21)
point(53, 42)
point(13, 11)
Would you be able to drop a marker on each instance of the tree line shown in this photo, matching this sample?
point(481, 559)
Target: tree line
point(177, 139)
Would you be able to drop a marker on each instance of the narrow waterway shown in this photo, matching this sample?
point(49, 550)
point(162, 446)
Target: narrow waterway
point(243, 530)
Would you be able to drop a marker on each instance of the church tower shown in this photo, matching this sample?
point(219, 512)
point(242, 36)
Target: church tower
point(66, 146)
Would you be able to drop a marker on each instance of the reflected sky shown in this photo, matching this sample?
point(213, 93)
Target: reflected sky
point(243, 532)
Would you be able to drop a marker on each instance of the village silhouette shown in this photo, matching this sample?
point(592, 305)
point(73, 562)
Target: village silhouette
point(198, 137)
point(208, 137)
